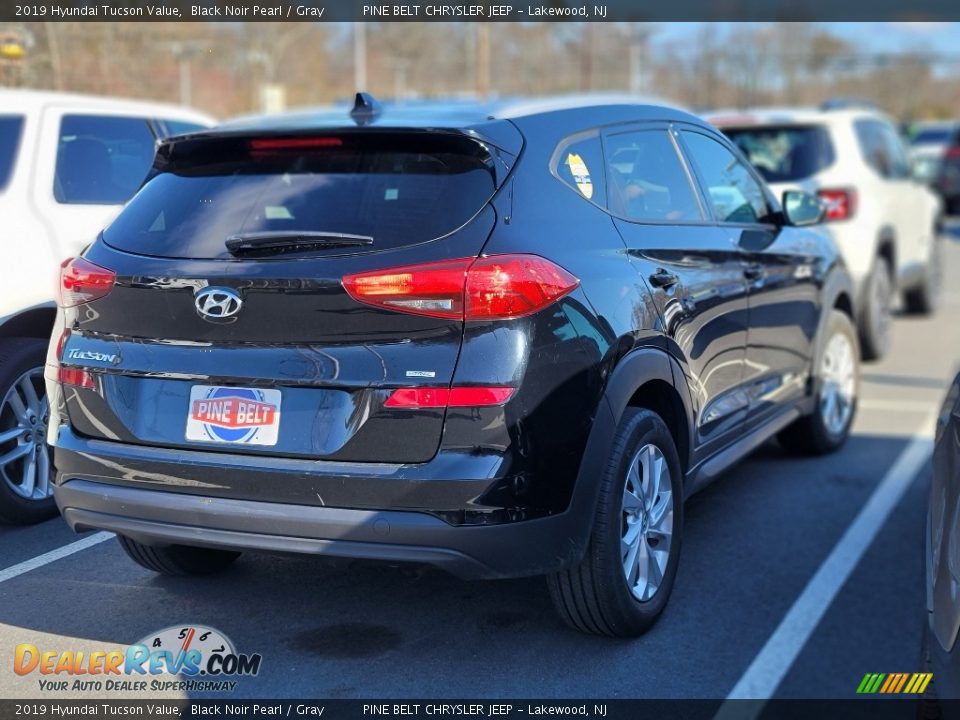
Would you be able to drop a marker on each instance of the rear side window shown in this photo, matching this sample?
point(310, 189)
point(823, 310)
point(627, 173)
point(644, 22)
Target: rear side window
point(101, 160)
point(785, 154)
point(647, 179)
point(11, 128)
point(881, 148)
point(396, 188)
point(736, 196)
point(579, 163)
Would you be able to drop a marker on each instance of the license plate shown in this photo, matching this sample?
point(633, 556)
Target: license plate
point(240, 416)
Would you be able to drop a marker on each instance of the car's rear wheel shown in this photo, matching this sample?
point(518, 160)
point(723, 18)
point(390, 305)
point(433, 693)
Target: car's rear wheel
point(26, 487)
point(177, 559)
point(876, 319)
point(625, 578)
point(924, 299)
point(838, 386)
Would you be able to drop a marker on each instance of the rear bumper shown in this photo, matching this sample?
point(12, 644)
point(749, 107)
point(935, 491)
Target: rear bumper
point(109, 498)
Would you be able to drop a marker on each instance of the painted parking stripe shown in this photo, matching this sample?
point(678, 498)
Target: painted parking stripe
point(770, 666)
point(52, 556)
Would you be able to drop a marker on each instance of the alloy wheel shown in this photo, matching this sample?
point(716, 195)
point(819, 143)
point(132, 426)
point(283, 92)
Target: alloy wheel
point(838, 383)
point(647, 522)
point(24, 457)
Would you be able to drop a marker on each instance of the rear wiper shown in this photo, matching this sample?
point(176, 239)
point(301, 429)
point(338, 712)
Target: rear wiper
point(276, 242)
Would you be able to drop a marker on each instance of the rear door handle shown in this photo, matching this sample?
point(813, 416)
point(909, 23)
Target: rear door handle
point(663, 279)
point(753, 271)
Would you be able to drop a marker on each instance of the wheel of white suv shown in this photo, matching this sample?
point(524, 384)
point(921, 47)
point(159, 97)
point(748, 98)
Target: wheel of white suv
point(924, 299)
point(838, 386)
point(177, 559)
point(26, 487)
point(876, 318)
point(625, 578)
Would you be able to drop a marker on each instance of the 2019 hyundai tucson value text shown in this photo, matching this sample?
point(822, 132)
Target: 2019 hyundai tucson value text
point(501, 341)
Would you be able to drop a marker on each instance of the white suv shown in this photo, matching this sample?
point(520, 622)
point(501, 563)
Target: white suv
point(68, 163)
point(885, 221)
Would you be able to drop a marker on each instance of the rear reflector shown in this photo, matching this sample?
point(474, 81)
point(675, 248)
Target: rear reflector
point(841, 204)
point(81, 282)
point(75, 377)
point(499, 287)
point(452, 397)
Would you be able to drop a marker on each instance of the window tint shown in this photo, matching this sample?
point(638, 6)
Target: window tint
point(11, 127)
point(873, 146)
point(933, 135)
point(735, 195)
point(899, 165)
point(784, 154)
point(101, 160)
point(579, 163)
point(397, 188)
point(169, 128)
point(647, 180)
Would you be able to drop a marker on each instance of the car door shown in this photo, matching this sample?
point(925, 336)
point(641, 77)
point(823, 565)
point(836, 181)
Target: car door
point(692, 269)
point(780, 267)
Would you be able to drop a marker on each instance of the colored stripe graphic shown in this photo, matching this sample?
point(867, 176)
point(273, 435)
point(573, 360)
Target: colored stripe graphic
point(894, 683)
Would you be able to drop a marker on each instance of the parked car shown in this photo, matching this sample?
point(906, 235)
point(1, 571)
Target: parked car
point(947, 180)
point(886, 223)
point(941, 649)
point(67, 165)
point(503, 341)
point(929, 142)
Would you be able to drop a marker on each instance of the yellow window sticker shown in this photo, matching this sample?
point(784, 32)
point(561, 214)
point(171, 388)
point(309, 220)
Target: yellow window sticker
point(581, 175)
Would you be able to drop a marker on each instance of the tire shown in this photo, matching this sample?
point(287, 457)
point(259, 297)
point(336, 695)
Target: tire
point(26, 475)
point(824, 431)
point(925, 298)
point(595, 596)
point(876, 318)
point(177, 559)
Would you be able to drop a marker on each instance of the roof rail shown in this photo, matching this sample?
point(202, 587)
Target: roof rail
point(848, 103)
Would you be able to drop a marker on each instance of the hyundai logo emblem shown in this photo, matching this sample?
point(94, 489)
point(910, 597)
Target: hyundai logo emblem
point(218, 303)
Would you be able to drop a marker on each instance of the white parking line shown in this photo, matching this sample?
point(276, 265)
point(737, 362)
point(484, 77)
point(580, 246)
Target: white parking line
point(774, 660)
point(52, 556)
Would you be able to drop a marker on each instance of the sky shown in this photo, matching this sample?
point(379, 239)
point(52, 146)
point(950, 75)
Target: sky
point(877, 36)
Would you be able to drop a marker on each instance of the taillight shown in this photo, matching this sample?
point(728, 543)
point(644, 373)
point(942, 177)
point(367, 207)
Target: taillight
point(952, 153)
point(499, 287)
point(294, 143)
point(81, 282)
point(75, 377)
point(841, 204)
point(452, 397)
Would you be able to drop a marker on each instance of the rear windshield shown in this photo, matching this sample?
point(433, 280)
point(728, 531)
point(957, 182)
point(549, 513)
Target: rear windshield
point(785, 154)
point(933, 136)
point(11, 126)
point(396, 189)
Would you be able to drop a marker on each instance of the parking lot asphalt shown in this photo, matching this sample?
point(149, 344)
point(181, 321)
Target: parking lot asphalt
point(754, 543)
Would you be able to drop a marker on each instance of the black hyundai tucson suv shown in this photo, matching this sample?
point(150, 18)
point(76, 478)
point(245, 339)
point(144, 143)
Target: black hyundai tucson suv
point(501, 341)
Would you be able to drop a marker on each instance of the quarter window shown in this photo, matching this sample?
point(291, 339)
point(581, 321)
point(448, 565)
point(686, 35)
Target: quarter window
point(101, 160)
point(735, 195)
point(647, 179)
point(579, 163)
